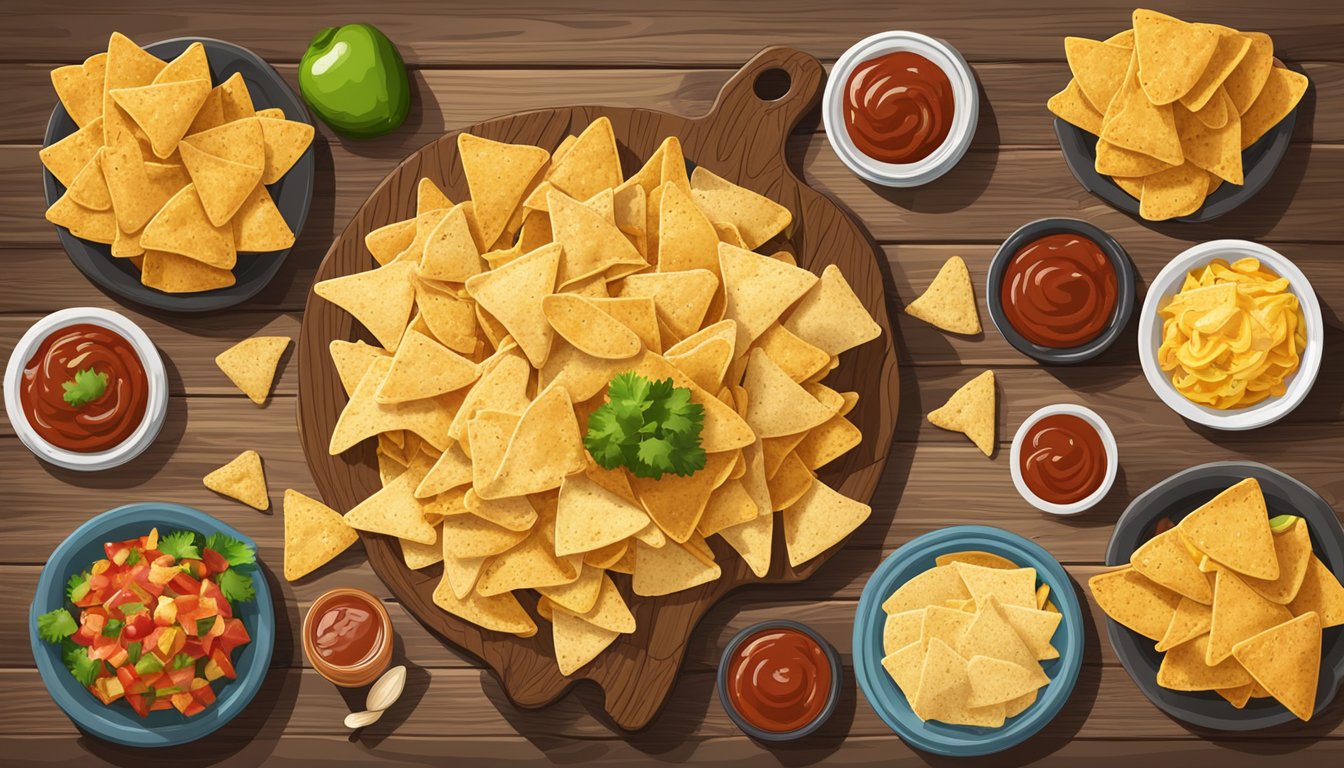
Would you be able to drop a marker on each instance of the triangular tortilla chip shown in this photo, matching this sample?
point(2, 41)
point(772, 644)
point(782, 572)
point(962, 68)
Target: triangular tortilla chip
point(1135, 123)
point(1166, 560)
point(67, 157)
point(418, 556)
point(1237, 696)
point(172, 273)
point(191, 64)
point(970, 411)
point(98, 226)
point(994, 681)
point(1320, 593)
point(589, 516)
point(513, 295)
point(609, 610)
point(1292, 547)
point(1132, 600)
point(1035, 627)
point(449, 317)
point(948, 302)
point(706, 364)
point(1216, 150)
point(222, 184)
point(394, 510)
point(387, 242)
point(251, 364)
point(380, 299)
point(776, 405)
point(502, 387)
point(830, 315)
point(211, 113)
point(901, 629)
point(284, 142)
point(80, 88)
point(1098, 69)
point(819, 520)
point(757, 290)
point(421, 368)
point(364, 417)
point(89, 188)
point(578, 642)
point(1172, 54)
point(1286, 661)
point(530, 564)
point(580, 595)
point(670, 568)
point(352, 360)
point(1244, 83)
point(1238, 613)
point(588, 328)
point(235, 99)
point(1185, 668)
point(314, 534)
point(1227, 55)
point(451, 470)
point(163, 111)
point(428, 196)
point(1233, 529)
point(590, 164)
point(677, 503)
point(545, 448)
point(1283, 90)
point(183, 227)
point(132, 201)
point(498, 175)
point(1191, 620)
point(242, 479)
point(1016, 586)
point(945, 688)
point(686, 239)
point(592, 244)
point(128, 66)
point(501, 613)
point(258, 226)
point(450, 251)
point(680, 298)
point(932, 587)
point(487, 439)
point(756, 218)
point(470, 536)
point(728, 505)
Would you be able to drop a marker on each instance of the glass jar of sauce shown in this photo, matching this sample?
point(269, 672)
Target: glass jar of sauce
point(347, 637)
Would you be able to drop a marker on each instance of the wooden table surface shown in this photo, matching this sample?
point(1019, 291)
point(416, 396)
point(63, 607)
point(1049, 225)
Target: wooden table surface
point(473, 60)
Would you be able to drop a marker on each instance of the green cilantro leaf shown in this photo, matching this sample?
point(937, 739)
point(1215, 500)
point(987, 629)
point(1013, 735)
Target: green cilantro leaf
point(87, 386)
point(650, 427)
point(236, 585)
point(180, 544)
point(133, 651)
point(130, 609)
point(231, 549)
point(183, 660)
point(76, 658)
point(113, 627)
point(74, 588)
point(133, 556)
point(56, 625)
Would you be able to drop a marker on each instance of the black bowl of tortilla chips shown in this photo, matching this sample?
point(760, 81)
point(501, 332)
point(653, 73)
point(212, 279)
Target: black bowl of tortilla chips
point(1168, 503)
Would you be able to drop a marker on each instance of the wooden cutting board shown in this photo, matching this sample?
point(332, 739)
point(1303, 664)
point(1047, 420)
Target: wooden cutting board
point(741, 139)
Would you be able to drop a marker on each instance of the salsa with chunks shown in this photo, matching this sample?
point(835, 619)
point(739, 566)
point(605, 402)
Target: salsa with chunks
point(155, 620)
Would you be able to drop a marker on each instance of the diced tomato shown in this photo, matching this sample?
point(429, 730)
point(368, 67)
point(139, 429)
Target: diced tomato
point(182, 700)
point(181, 678)
point(211, 590)
point(162, 702)
point(196, 568)
point(138, 702)
point(184, 584)
point(196, 647)
point(84, 637)
point(118, 657)
point(187, 605)
point(137, 627)
point(166, 612)
point(121, 597)
point(141, 580)
point(217, 628)
point(219, 666)
point(203, 691)
point(163, 570)
point(235, 634)
point(127, 676)
point(214, 561)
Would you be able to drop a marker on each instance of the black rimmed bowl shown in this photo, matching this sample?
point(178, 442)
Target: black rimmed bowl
point(832, 696)
point(1178, 496)
point(293, 194)
point(1258, 162)
point(1124, 285)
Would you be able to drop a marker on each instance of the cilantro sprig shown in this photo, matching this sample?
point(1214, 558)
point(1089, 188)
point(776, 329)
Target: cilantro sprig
point(232, 550)
point(87, 385)
point(650, 427)
point(76, 658)
point(55, 626)
point(180, 544)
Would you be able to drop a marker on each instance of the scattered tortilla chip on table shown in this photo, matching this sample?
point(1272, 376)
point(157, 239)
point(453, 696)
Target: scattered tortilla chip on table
point(251, 364)
point(242, 479)
point(314, 534)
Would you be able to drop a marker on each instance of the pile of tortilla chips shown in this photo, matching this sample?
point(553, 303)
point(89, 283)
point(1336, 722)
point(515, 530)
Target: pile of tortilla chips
point(169, 171)
point(1232, 335)
point(1174, 104)
point(498, 323)
point(1236, 601)
point(964, 639)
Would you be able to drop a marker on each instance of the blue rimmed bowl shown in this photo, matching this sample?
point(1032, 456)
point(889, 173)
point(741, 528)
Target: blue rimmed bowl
point(118, 722)
point(917, 556)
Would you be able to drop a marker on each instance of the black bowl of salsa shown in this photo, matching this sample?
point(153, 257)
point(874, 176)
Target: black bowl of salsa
point(779, 680)
point(1060, 290)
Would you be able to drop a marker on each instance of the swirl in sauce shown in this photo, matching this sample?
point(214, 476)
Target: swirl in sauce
point(898, 107)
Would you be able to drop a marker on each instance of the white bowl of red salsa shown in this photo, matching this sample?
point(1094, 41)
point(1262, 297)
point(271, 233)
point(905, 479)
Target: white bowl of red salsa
point(900, 108)
point(86, 389)
point(1064, 459)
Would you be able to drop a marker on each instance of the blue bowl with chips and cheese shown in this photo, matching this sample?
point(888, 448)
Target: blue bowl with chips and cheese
point(887, 699)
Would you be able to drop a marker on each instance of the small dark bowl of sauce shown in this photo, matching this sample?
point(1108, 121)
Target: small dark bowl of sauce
point(779, 680)
point(1060, 290)
point(347, 636)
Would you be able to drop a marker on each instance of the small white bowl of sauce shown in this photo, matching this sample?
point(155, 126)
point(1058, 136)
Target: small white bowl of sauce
point(1064, 459)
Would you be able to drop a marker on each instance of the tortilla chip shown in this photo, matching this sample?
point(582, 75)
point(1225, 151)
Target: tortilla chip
point(1166, 560)
point(1191, 620)
point(1172, 54)
point(995, 681)
point(223, 184)
point(191, 64)
point(1231, 48)
point(1098, 69)
point(471, 536)
point(284, 142)
point(424, 368)
point(388, 242)
point(352, 360)
point(449, 250)
point(498, 176)
point(1283, 90)
point(949, 301)
point(1217, 151)
point(98, 226)
point(1134, 601)
point(394, 510)
point(251, 364)
point(235, 99)
point(1116, 161)
point(777, 405)
point(1320, 593)
point(418, 556)
point(240, 141)
point(591, 330)
point(975, 557)
point(502, 387)
point(1286, 661)
point(242, 479)
point(677, 503)
point(128, 66)
point(592, 243)
point(901, 629)
point(546, 447)
point(932, 587)
point(513, 295)
point(364, 417)
point(1237, 696)
point(1233, 529)
point(970, 411)
point(945, 689)
point(1134, 122)
point(67, 157)
point(1035, 627)
point(211, 113)
point(578, 642)
point(590, 164)
point(758, 289)
point(686, 239)
point(183, 227)
point(501, 613)
point(258, 226)
point(80, 88)
point(529, 564)
point(163, 111)
point(314, 534)
point(1184, 668)
point(1216, 113)
point(1292, 547)
point(680, 298)
point(755, 217)
point(380, 299)
point(172, 273)
point(1238, 613)
point(819, 520)
point(1245, 82)
point(1016, 586)
point(589, 517)
point(89, 187)
point(670, 568)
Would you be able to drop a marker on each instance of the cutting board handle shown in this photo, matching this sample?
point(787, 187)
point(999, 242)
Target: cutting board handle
point(762, 103)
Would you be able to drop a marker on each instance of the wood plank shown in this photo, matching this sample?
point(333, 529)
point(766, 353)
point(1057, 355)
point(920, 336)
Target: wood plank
point(1012, 99)
point(704, 32)
point(1008, 187)
point(927, 485)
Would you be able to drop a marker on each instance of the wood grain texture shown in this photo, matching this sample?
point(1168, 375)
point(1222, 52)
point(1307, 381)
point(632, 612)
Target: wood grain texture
point(742, 139)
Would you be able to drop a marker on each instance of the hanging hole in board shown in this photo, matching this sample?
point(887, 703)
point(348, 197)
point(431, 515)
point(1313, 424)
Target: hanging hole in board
point(772, 84)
